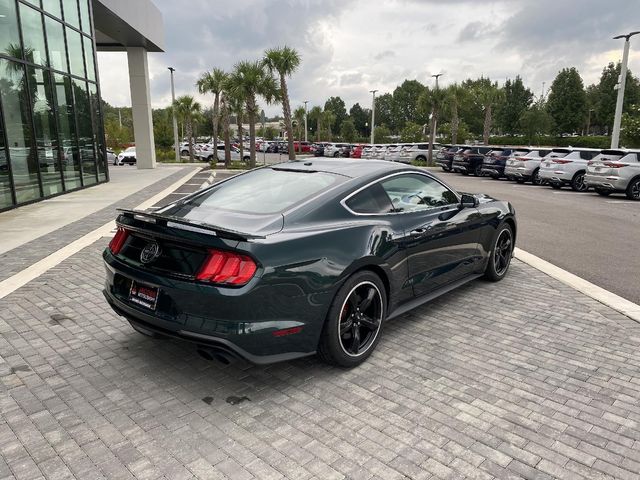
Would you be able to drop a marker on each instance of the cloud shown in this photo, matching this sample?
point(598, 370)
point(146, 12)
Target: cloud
point(384, 54)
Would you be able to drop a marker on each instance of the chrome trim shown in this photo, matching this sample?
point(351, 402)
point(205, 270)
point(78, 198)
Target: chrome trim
point(343, 202)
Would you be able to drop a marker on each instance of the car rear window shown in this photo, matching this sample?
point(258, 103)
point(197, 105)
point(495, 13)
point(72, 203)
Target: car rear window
point(266, 190)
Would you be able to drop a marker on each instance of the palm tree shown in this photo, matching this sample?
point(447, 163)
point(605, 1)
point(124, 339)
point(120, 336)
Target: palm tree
point(187, 109)
point(454, 95)
point(236, 106)
point(298, 115)
point(316, 114)
point(328, 119)
point(487, 94)
point(250, 80)
point(284, 61)
point(213, 82)
point(432, 101)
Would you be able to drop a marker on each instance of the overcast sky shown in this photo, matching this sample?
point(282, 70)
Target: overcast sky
point(349, 47)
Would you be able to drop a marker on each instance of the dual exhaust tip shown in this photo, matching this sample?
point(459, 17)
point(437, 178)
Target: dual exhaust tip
point(216, 354)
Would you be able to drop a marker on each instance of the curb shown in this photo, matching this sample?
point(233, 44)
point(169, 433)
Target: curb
point(583, 286)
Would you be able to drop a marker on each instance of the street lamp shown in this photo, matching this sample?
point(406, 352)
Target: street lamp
point(622, 80)
point(175, 120)
point(373, 114)
point(305, 120)
point(434, 124)
point(589, 120)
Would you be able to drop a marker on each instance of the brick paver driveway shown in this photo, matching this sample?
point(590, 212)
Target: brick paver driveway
point(490, 381)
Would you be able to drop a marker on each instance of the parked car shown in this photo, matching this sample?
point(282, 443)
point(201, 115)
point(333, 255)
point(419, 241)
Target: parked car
point(496, 160)
point(302, 147)
point(444, 158)
point(318, 149)
point(345, 151)
point(184, 149)
point(393, 153)
point(127, 156)
point(615, 171)
point(206, 154)
point(357, 150)
point(229, 270)
point(526, 167)
point(334, 149)
point(419, 152)
point(567, 166)
point(112, 158)
point(470, 160)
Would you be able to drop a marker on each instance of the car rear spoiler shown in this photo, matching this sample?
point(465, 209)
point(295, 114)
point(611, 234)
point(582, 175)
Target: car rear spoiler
point(163, 220)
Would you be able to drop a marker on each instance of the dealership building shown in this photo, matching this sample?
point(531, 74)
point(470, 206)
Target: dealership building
point(51, 128)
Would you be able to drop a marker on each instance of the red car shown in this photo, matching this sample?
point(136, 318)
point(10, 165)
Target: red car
point(356, 151)
point(305, 147)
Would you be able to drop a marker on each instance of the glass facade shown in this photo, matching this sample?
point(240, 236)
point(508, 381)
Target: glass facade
point(51, 131)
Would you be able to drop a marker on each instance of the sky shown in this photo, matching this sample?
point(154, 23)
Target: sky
point(349, 47)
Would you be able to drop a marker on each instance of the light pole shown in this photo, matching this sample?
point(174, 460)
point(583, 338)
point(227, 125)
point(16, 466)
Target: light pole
point(622, 80)
point(373, 114)
point(434, 124)
point(305, 120)
point(175, 120)
point(589, 120)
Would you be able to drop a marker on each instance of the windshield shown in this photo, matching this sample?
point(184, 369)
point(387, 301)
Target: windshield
point(266, 190)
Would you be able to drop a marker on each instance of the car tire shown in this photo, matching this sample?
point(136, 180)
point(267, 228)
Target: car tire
point(520, 180)
point(422, 158)
point(446, 169)
point(535, 177)
point(478, 171)
point(577, 183)
point(633, 189)
point(603, 192)
point(337, 344)
point(246, 159)
point(555, 185)
point(501, 253)
point(335, 155)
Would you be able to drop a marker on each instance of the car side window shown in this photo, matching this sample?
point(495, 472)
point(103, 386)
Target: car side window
point(371, 200)
point(413, 192)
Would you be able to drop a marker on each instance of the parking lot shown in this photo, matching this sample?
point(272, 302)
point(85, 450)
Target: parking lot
point(526, 378)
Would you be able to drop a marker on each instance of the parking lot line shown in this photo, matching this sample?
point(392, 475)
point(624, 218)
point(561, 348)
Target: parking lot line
point(32, 272)
point(603, 296)
point(626, 202)
point(568, 193)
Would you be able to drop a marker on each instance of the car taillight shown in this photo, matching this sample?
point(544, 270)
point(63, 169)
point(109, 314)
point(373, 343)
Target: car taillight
point(117, 242)
point(228, 268)
point(560, 161)
point(614, 164)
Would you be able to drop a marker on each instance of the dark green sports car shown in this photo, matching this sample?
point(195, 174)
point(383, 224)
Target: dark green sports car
point(302, 257)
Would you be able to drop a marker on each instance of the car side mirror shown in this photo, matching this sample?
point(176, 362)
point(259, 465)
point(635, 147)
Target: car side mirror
point(468, 201)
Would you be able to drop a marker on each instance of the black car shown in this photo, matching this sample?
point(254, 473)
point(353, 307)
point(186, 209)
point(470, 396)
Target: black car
point(302, 257)
point(470, 160)
point(444, 158)
point(318, 149)
point(496, 160)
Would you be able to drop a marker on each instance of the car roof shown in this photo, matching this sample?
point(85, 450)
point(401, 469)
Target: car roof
point(353, 168)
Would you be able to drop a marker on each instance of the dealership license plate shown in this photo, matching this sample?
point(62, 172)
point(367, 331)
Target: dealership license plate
point(143, 295)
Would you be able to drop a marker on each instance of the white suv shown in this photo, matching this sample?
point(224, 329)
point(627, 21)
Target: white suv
point(567, 166)
point(418, 151)
point(615, 171)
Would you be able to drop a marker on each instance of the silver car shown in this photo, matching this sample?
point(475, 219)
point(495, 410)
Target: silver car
point(418, 151)
point(393, 154)
point(526, 167)
point(567, 166)
point(615, 171)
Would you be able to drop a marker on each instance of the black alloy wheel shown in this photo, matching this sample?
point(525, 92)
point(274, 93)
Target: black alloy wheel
point(577, 183)
point(355, 320)
point(478, 171)
point(633, 190)
point(501, 254)
point(602, 191)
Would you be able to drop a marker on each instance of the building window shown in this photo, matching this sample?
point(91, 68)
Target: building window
point(74, 44)
point(85, 132)
point(53, 7)
point(68, 137)
point(70, 12)
point(88, 55)
point(16, 108)
point(9, 33)
point(55, 40)
point(32, 35)
point(6, 198)
point(84, 16)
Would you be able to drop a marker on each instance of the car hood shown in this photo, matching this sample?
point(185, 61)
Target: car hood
point(254, 224)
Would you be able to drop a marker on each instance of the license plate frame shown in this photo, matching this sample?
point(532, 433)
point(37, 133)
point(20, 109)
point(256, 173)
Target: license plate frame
point(144, 295)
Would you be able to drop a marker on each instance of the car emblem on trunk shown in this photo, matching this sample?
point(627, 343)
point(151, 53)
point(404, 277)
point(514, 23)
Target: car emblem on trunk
point(150, 252)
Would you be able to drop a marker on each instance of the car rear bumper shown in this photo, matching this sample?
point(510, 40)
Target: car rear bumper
point(555, 176)
point(460, 167)
point(606, 182)
point(253, 322)
point(493, 170)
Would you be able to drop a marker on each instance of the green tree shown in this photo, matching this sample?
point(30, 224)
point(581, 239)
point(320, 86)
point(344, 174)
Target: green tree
point(602, 97)
point(213, 82)
point(361, 118)
point(348, 130)
point(412, 132)
point(567, 102)
point(187, 109)
point(386, 111)
point(250, 80)
point(516, 101)
point(162, 127)
point(405, 100)
point(339, 109)
point(487, 94)
point(315, 116)
point(298, 116)
point(328, 120)
point(469, 109)
point(454, 95)
point(446, 132)
point(284, 61)
point(535, 121)
point(432, 100)
point(630, 129)
point(382, 134)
